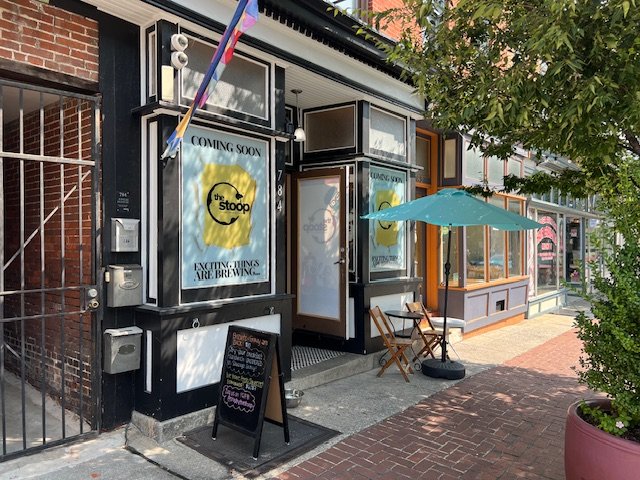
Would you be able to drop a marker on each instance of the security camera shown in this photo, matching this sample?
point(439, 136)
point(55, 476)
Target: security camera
point(179, 42)
point(179, 60)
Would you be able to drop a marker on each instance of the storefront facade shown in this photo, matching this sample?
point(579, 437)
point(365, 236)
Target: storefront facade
point(246, 226)
point(488, 284)
point(560, 252)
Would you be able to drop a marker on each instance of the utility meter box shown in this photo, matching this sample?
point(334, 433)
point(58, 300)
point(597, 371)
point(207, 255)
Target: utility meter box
point(122, 349)
point(124, 285)
point(124, 234)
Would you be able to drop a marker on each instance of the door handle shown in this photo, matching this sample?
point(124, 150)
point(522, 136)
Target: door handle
point(342, 260)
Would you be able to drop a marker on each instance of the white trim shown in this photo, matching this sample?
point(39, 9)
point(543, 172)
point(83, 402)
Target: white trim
point(148, 364)
point(151, 220)
point(271, 198)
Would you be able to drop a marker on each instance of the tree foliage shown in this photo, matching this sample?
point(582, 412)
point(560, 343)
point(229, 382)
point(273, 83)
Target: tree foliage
point(556, 76)
point(560, 77)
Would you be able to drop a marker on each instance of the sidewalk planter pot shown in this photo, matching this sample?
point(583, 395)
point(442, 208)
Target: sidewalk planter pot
point(592, 454)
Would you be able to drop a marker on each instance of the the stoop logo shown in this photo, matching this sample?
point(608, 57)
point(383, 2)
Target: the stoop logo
point(229, 193)
point(223, 207)
point(386, 233)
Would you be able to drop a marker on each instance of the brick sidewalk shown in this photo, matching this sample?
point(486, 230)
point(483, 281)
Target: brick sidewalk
point(503, 423)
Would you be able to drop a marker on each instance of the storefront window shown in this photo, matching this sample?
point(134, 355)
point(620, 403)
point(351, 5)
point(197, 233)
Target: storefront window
point(387, 241)
point(475, 243)
point(225, 209)
point(562, 199)
point(454, 277)
point(497, 260)
point(330, 129)
point(546, 252)
point(515, 242)
point(502, 256)
point(474, 164)
point(450, 146)
point(574, 249)
point(561, 249)
point(593, 256)
point(423, 159)
point(495, 167)
point(514, 167)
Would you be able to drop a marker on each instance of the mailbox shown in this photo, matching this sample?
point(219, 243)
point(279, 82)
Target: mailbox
point(122, 349)
point(124, 285)
point(124, 234)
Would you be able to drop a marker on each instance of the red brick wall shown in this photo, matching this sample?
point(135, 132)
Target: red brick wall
point(58, 337)
point(44, 36)
point(394, 30)
point(48, 37)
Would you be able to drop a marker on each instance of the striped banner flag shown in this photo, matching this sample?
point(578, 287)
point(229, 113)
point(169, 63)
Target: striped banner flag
point(245, 16)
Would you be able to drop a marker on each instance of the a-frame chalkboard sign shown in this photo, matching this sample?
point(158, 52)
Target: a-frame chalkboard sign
point(251, 385)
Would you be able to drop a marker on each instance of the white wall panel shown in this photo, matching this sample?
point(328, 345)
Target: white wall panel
point(200, 350)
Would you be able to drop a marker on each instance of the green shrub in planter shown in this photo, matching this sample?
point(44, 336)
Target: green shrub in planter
point(611, 353)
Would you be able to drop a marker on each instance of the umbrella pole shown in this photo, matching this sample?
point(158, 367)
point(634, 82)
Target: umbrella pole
point(443, 368)
point(447, 270)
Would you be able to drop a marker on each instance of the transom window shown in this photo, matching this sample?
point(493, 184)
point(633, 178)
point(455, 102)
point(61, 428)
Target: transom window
point(479, 168)
point(242, 88)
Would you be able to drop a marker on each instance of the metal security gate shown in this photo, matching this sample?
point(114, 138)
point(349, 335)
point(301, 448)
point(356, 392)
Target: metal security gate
point(49, 377)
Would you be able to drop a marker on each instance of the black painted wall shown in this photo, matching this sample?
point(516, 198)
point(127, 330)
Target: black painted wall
point(120, 88)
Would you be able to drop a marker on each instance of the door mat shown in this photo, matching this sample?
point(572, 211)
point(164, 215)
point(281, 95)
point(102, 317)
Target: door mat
point(234, 449)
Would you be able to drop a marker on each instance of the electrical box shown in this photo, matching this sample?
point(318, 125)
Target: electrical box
point(122, 349)
point(124, 234)
point(124, 285)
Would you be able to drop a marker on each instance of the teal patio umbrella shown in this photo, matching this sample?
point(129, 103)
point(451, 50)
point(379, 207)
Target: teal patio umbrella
point(451, 208)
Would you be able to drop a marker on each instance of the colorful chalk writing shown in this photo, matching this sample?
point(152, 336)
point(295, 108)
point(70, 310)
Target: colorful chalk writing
point(246, 368)
point(251, 386)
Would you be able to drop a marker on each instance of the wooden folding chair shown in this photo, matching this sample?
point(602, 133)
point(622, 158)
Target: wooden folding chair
point(396, 346)
point(430, 336)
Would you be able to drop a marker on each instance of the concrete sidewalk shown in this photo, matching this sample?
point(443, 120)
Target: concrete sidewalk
point(517, 377)
point(502, 423)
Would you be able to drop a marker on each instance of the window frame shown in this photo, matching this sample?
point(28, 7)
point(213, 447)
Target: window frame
point(463, 259)
point(346, 148)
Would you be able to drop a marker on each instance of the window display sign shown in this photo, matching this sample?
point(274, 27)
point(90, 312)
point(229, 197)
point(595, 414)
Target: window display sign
point(224, 209)
point(546, 251)
point(387, 246)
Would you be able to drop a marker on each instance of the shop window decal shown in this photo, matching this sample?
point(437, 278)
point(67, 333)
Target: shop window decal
point(225, 214)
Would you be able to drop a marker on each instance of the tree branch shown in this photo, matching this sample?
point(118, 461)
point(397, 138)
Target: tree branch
point(634, 143)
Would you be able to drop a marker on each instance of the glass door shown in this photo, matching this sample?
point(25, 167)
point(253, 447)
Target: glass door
point(320, 256)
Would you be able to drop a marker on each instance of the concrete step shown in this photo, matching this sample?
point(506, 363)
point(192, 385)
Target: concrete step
point(344, 366)
point(333, 369)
